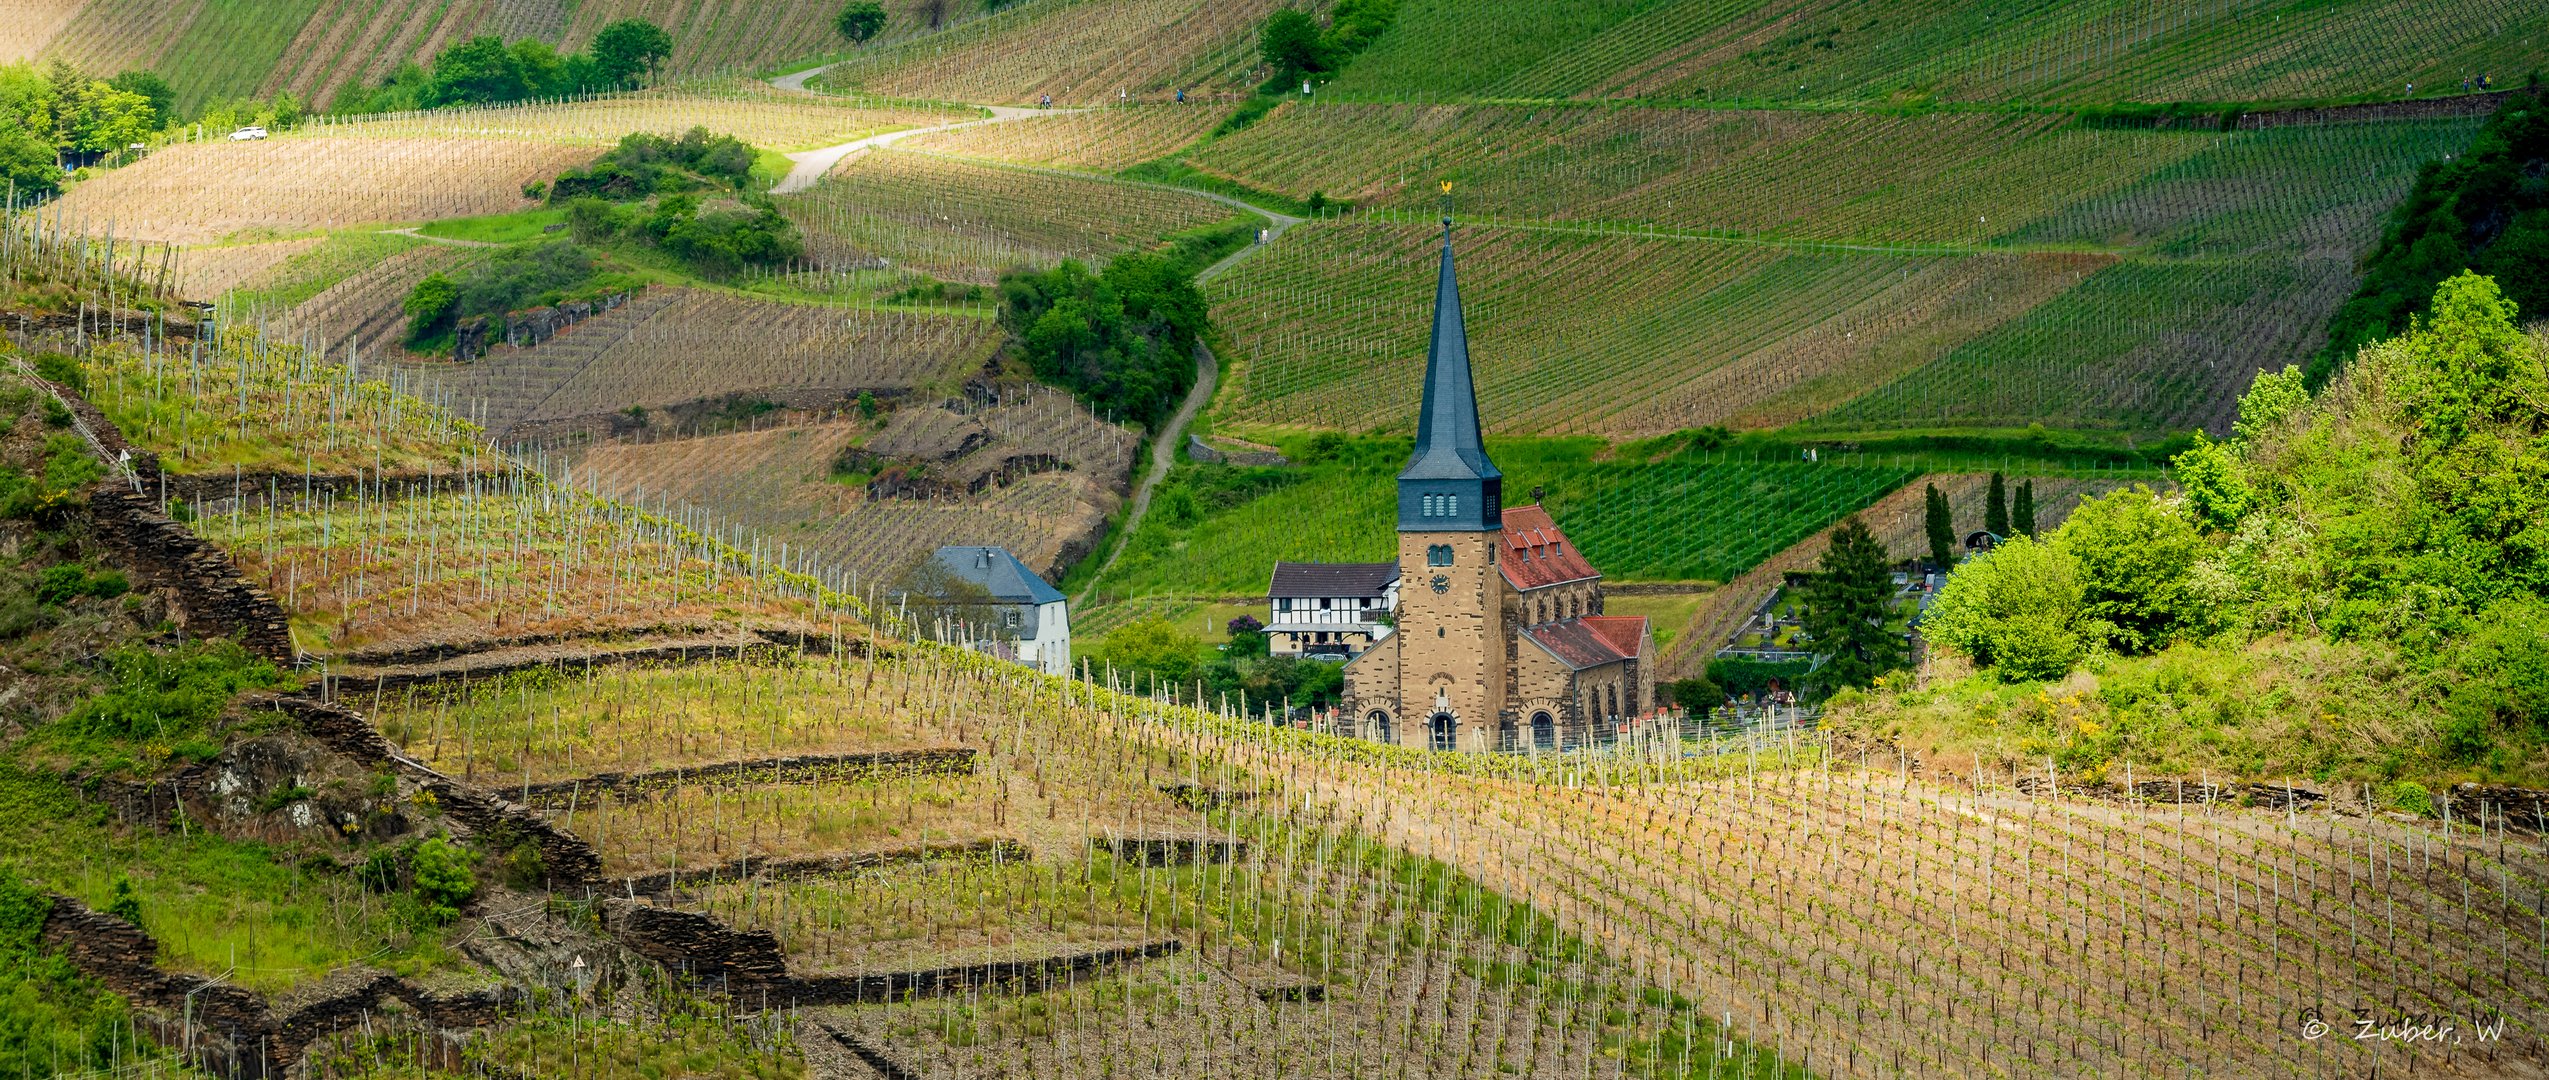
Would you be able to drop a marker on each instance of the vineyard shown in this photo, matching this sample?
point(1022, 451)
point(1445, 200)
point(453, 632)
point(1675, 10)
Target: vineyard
point(319, 49)
point(672, 347)
point(968, 221)
point(1103, 139)
point(197, 192)
point(767, 118)
point(1088, 52)
point(1033, 472)
point(1897, 50)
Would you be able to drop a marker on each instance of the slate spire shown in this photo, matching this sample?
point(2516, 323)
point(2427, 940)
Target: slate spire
point(1450, 461)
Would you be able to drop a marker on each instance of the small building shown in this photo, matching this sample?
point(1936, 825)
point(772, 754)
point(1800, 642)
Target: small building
point(1022, 618)
point(1982, 540)
point(1329, 609)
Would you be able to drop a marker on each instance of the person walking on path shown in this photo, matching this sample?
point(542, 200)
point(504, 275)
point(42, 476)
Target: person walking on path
point(1181, 95)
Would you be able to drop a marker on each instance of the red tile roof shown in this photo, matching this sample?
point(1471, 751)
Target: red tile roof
point(1625, 633)
point(1591, 641)
point(1536, 553)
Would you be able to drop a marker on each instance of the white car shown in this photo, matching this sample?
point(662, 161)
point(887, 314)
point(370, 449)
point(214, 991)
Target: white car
point(246, 133)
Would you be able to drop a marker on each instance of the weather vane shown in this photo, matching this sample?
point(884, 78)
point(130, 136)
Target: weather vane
point(1447, 202)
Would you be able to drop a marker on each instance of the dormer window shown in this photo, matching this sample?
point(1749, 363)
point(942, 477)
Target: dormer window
point(1436, 506)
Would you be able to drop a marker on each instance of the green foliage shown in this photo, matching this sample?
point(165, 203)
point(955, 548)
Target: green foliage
point(163, 700)
point(1847, 604)
point(65, 582)
point(1122, 340)
point(2485, 210)
point(152, 89)
point(1938, 523)
point(520, 277)
point(1695, 695)
point(1158, 651)
point(1289, 43)
point(1996, 507)
point(2015, 609)
point(1745, 677)
point(53, 1020)
point(487, 71)
point(429, 308)
point(62, 369)
point(645, 164)
point(2022, 510)
point(68, 470)
point(2273, 396)
point(443, 880)
point(860, 21)
point(2136, 560)
point(2216, 486)
point(626, 52)
point(26, 164)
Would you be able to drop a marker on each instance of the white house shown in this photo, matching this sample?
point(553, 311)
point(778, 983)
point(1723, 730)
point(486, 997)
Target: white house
point(1329, 609)
point(1028, 620)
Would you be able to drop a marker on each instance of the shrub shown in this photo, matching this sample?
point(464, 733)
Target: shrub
point(2014, 609)
point(429, 308)
point(1123, 340)
point(443, 881)
point(167, 696)
point(2135, 557)
point(860, 21)
point(70, 581)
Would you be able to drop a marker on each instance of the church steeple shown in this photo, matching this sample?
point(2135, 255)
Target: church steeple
point(1449, 485)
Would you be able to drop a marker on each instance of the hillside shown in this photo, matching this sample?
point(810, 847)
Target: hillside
point(466, 609)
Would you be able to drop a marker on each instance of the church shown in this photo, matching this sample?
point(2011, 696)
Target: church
point(1499, 640)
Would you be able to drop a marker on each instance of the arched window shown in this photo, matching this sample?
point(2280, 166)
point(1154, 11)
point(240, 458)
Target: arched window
point(1445, 731)
point(1615, 701)
point(1438, 555)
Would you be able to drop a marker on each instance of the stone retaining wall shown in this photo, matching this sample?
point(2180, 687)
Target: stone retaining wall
point(1170, 850)
point(1023, 976)
point(234, 1032)
point(819, 865)
point(799, 769)
point(213, 597)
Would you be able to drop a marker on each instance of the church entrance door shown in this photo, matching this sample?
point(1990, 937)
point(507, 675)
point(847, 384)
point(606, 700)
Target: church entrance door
point(1544, 731)
point(1446, 732)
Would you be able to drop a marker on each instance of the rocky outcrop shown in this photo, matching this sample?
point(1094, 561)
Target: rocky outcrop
point(1199, 450)
point(567, 863)
point(528, 328)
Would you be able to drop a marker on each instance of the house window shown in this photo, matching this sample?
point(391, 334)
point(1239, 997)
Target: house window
point(1009, 617)
point(1438, 555)
point(1326, 604)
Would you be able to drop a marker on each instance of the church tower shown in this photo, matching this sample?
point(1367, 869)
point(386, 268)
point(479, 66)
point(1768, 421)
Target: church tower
point(1452, 664)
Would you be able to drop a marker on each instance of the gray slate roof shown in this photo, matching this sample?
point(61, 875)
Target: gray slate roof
point(1313, 579)
point(1448, 445)
point(999, 573)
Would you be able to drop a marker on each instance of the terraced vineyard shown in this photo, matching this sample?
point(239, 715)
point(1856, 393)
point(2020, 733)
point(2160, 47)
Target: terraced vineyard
point(1033, 472)
point(1105, 139)
point(672, 347)
point(968, 221)
point(1082, 53)
point(1892, 50)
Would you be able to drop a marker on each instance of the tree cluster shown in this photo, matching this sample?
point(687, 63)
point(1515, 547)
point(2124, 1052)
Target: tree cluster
point(487, 71)
point(1153, 652)
point(1123, 340)
point(2403, 510)
point(61, 118)
point(648, 192)
point(1293, 44)
point(2486, 210)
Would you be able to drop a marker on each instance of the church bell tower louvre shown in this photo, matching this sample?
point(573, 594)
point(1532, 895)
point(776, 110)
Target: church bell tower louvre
point(1452, 667)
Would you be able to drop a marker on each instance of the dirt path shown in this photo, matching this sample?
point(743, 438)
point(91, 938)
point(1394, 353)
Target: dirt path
point(1163, 454)
point(812, 164)
point(440, 239)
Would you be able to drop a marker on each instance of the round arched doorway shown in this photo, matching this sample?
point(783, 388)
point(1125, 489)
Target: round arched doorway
point(1544, 731)
point(1377, 726)
point(1446, 731)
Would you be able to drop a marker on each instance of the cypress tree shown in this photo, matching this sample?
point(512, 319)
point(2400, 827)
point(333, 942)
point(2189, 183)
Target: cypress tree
point(2022, 516)
point(1996, 512)
point(1847, 603)
point(1942, 530)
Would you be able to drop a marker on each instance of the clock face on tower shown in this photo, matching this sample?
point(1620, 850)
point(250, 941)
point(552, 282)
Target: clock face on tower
point(1442, 584)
